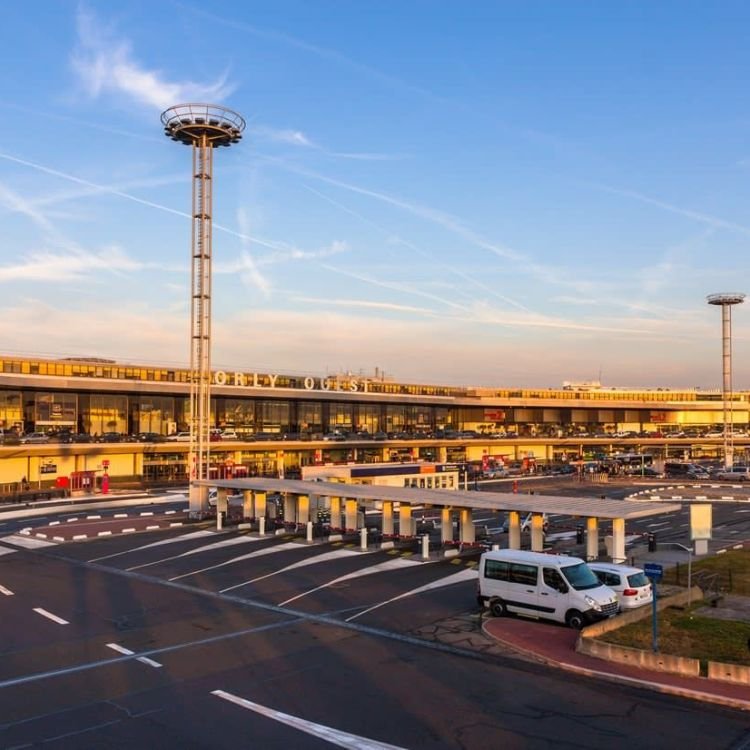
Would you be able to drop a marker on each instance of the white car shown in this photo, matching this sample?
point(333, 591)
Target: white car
point(180, 437)
point(632, 587)
point(230, 435)
point(732, 474)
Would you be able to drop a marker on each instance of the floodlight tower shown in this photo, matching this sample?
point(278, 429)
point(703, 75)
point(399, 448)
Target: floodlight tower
point(725, 301)
point(203, 127)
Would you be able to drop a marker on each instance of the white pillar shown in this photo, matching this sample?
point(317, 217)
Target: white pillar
point(618, 540)
point(197, 497)
point(259, 503)
point(537, 532)
point(309, 531)
point(363, 539)
point(387, 518)
point(592, 538)
point(405, 522)
point(335, 512)
point(446, 525)
point(426, 547)
point(262, 526)
point(514, 530)
point(303, 508)
point(222, 506)
point(290, 508)
point(351, 514)
point(467, 531)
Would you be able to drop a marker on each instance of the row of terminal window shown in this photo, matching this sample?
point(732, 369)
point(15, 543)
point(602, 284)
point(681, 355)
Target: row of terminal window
point(432, 482)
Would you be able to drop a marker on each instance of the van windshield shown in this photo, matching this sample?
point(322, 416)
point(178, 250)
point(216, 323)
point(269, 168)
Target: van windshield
point(581, 577)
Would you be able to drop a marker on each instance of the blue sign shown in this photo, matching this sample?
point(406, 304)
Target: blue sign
point(654, 571)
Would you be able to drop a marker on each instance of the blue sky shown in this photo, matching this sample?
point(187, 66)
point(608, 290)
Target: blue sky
point(489, 193)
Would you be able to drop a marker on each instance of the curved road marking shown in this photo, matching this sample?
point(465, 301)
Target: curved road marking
point(462, 575)
point(334, 736)
point(398, 562)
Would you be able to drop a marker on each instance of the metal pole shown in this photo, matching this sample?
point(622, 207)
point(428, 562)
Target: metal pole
point(690, 575)
point(654, 626)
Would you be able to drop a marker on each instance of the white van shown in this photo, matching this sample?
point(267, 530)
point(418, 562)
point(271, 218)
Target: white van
point(553, 587)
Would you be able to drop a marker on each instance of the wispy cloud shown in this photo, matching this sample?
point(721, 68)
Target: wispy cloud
point(249, 271)
point(58, 267)
point(128, 196)
point(713, 221)
point(105, 63)
point(366, 304)
point(288, 136)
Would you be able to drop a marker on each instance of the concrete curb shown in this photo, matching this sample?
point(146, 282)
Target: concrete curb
point(658, 687)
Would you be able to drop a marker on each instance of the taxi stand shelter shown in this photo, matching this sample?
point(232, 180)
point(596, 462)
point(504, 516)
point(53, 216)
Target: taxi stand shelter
point(344, 501)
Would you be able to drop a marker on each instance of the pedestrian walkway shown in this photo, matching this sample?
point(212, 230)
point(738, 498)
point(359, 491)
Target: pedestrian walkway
point(555, 645)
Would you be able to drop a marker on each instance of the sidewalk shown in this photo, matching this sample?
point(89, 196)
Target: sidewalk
point(555, 645)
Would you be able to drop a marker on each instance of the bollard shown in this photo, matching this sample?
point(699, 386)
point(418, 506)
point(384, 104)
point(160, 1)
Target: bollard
point(426, 547)
point(219, 521)
point(495, 547)
point(309, 531)
point(363, 539)
point(262, 526)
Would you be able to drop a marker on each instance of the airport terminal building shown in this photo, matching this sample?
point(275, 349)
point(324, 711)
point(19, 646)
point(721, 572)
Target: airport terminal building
point(335, 418)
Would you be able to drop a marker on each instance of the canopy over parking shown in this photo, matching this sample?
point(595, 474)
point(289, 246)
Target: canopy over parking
point(297, 495)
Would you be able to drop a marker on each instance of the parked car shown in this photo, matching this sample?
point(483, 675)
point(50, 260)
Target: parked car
point(34, 437)
point(230, 435)
point(179, 437)
point(337, 437)
point(734, 474)
point(148, 437)
point(498, 473)
point(632, 587)
point(110, 437)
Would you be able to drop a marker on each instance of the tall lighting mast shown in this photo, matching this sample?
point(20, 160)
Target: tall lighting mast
point(725, 301)
point(204, 127)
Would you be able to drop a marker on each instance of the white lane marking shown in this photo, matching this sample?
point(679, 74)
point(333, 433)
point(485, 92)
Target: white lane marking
point(40, 535)
point(333, 736)
point(396, 562)
point(6, 592)
point(70, 520)
point(50, 616)
point(193, 535)
point(128, 652)
point(654, 525)
point(325, 557)
point(127, 531)
point(59, 538)
point(26, 542)
point(204, 548)
point(104, 533)
point(169, 512)
point(92, 518)
point(462, 575)
point(7, 551)
point(120, 515)
point(151, 528)
point(285, 547)
point(54, 523)
point(78, 537)
point(147, 513)
point(175, 523)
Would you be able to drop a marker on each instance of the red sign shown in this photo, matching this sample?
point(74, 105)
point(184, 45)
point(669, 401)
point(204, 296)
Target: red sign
point(494, 415)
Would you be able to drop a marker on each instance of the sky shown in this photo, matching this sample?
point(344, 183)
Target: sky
point(491, 193)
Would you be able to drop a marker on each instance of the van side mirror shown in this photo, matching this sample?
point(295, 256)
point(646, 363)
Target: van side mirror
point(562, 587)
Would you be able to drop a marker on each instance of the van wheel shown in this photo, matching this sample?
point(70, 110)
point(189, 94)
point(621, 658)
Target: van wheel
point(498, 608)
point(574, 619)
